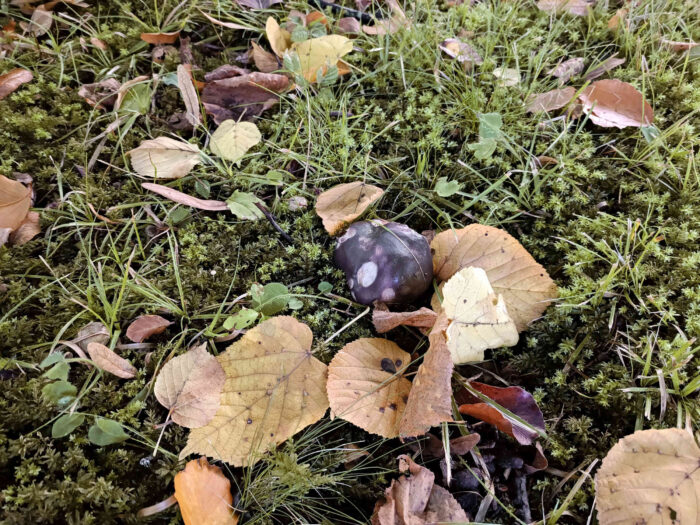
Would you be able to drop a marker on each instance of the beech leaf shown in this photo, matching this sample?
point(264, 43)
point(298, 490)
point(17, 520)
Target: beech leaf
point(651, 476)
point(105, 359)
point(612, 103)
point(551, 100)
point(344, 203)
point(13, 79)
point(274, 388)
point(15, 201)
point(366, 385)
point(164, 158)
point(145, 326)
point(232, 139)
point(525, 285)
point(204, 494)
point(189, 385)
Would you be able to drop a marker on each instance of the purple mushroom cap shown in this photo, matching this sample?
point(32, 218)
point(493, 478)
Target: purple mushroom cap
point(385, 261)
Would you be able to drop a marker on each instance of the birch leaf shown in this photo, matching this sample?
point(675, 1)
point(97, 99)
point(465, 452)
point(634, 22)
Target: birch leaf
point(366, 385)
point(232, 139)
point(204, 494)
point(105, 359)
point(15, 201)
point(318, 54)
point(164, 158)
point(274, 388)
point(189, 385)
point(344, 203)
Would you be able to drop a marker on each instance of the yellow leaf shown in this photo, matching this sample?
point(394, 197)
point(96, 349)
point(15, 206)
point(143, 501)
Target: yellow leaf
point(320, 53)
point(15, 201)
point(204, 495)
point(651, 477)
point(525, 285)
point(232, 139)
point(478, 318)
point(107, 360)
point(274, 388)
point(164, 158)
point(344, 203)
point(366, 385)
point(190, 386)
point(279, 38)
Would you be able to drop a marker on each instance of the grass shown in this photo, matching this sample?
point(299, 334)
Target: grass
point(614, 222)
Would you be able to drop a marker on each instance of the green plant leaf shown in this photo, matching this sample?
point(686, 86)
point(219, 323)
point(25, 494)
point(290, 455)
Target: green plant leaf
point(243, 206)
point(232, 139)
point(106, 432)
point(324, 287)
point(66, 424)
point(272, 299)
point(52, 358)
point(295, 304)
point(241, 320)
point(59, 392)
point(490, 125)
point(650, 133)
point(58, 371)
point(445, 188)
point(483, 149)
point(203, 188)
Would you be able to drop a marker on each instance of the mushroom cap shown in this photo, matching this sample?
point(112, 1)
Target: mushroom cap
point(385, 261)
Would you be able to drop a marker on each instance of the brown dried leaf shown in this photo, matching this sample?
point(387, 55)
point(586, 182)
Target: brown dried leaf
point(651, 476)
point(391, 25)
point(145, 326)
point(164, 158)
point(101, 94)
point(612, 103)
point(429, 402)
point(258, 4)
point(189, 385)
point(349, 26)
point(105, 359)
point(41, 21)
point(574, 7)
point(27, 230)
point(567, 69)
point(606, 65)
point(679, 46)
point(618, 18)
point(160, 39)
point(264, 60)
point(94, 332)
point(228, 25)
point(15, 201)
point(13, 79)
point(204, 495)
point(384, 320)
point(183, 198)
point(344, 203)
point(551, 100)
point(525, 285)
point(274, 388)
point(462, 52)
point(366, 385)
point(189, 94)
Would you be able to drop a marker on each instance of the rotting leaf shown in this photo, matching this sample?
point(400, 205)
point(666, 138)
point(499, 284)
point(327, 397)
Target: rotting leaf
point(525, 285)
point(612, 103)
point(478, 318)
point(429, 402)
point(204, 494)
point(274, 388)
point(160, 39)
point(366, 385)
point(232, 139)
point(344, 203)
point(164, 158)
point(384, 320)
point(512, 398)
point(145, 326)
point(15, 201)
point(551, 100)
point(651, 476)
point(567, 69)
point(105, 359)
point(183, 198)
point(13, 79)
point(574, 7)
point(189, 385)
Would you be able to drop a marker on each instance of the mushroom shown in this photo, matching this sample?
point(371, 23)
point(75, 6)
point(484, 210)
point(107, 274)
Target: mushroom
point(384, 261)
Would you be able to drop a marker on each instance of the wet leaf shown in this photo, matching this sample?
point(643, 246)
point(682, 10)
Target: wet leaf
point(514, 399)
point(525, 285)
point(106, 432)
point(651, 476)
point(204, 494)
point(164, 158)
point(189, 385)
point(183, 198)
point(244, 206)
point(567, 69)
point(145, 326)
point(615, 104)
point(384, 320)
point(551, 100)
point(318, 54)
point(280, 39)
point(13, 79)
point(606, 65)
point(478, 318)
point(264, 60)
point(574, 7)
point(160, 38)
point(366, 385)
point(105, 359)
point(66, 424)
point(232, 139)
point(344, 203)
point(15, 201)
point(274, 388)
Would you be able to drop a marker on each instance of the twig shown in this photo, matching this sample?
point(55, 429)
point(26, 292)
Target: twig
point(272, 220)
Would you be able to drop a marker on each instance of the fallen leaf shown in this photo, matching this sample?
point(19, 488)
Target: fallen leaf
point(344, 203)
point(606, 65)
point(274, 388)
point(478, 317)
point(126, 87)
point(525, 285)
point(15, 201)
point(99, 43)
point(101, 94)
point(433, 447)
point(462, 52)
point(244, 96)
point(94, 332)
point(651, 476)
point(226, 71)
point(416, 500)
point(679, 46)
point(264, 60)
point(13, 79)
point(389, 26)
point(366, 385)
point(567, 69)
point(320, 53)
point(145, 326)
point(244, 205)
point(384, 320)
point(228, 25)
point(204, 494)
point(574, 7)
point(349, 25)
point(612, 103)
point(189, 95)
point(513, 398)
point(258, 4)
point(183, 198)
point(105, 359)
point(429, 402)
point(160, 38)
point(542, 161)
point(232, 139)
point(279, 38)
point(27, 230)
point(164, 158)
point(41, 21)
point(551, 100)
point(189, 385)
point(506, 76)
point(618, 18)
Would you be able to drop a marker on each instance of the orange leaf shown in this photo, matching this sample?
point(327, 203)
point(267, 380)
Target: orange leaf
point(204, 495)
point(612, 103)
point(145, 326)
point(160, 38)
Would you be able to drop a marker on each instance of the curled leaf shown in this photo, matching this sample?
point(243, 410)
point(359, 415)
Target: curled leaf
point(164, 158)
point(344, 203)
point(145, 326)
point(204, 494)
point(189, 94)
point(105, 359)
point(27, 230)
point(612, 103)
point(13, 79)
point(384, 320)
point(280, 39)
point(183, 198)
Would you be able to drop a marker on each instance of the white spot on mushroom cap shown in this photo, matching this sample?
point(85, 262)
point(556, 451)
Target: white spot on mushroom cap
point(351, 282)
point(367, 274)
point(388, 294)
point(348, 235)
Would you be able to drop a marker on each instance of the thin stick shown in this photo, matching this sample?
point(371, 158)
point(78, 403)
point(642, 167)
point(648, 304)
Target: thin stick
point(162, 431)
point(272, 220)
point(347, 325)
